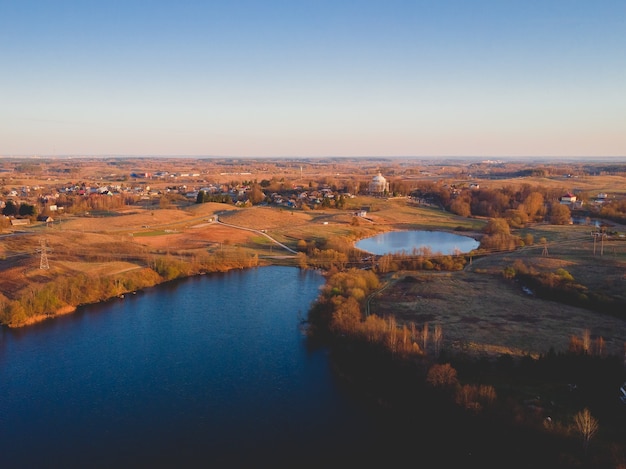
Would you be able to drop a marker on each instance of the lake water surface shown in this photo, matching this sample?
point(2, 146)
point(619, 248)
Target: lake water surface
point(398, 241)
point(212, 371)
point(209, 372)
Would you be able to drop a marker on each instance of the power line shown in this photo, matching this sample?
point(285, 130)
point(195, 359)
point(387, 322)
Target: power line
point(43, 260)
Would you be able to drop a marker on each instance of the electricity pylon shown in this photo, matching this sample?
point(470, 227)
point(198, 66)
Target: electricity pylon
point(43, 249)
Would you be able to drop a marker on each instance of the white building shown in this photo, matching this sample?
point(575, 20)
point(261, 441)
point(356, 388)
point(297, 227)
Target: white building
point(379, 185)
point(568, 199)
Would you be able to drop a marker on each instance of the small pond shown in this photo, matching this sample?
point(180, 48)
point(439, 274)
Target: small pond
point(407, 241)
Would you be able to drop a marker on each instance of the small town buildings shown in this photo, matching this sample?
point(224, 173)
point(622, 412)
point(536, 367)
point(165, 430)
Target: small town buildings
point(568, 199)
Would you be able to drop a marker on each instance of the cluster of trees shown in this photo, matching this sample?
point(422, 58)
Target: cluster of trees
point(339, 313)
point(74, 203)
point(614, 210)
point(421, 258)
point(498, 236)
point(204, 197)
point(561, 286)
point(11, 209)
point(517, 205)
point(474, 397)
point(327, 259)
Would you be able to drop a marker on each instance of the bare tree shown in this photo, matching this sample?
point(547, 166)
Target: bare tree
point(438, 335)
point(600, 346)
point(413, 331)
point(392, 337)
point(586, 340)
point(586, 425)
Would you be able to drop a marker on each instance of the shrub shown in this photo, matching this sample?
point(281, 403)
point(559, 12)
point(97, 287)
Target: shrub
point(442, 376)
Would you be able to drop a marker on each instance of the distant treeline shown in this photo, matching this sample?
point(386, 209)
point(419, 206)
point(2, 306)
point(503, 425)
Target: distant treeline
point(517, 205)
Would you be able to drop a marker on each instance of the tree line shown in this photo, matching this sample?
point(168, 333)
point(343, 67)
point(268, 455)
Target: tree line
point(518, 206)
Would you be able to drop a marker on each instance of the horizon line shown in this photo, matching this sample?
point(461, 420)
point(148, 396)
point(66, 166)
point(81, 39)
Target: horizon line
point(494, 157)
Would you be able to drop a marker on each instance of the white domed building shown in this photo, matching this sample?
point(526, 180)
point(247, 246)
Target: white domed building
point(379, 185)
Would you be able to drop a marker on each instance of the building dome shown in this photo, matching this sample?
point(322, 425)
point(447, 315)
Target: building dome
point(379, 184)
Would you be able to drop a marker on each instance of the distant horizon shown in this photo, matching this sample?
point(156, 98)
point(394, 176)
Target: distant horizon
point(364, 157)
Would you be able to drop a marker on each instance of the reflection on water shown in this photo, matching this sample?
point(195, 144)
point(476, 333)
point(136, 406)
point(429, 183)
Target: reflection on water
point(212, 369)
point(407, 241)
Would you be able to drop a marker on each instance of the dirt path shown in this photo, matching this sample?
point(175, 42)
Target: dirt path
point(260, 232)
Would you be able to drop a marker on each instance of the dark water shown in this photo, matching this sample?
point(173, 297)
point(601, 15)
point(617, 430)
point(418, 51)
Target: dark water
point(436, 241)
point(213, 371)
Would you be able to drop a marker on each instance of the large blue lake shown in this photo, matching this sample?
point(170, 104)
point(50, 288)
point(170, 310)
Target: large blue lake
point(212, 371)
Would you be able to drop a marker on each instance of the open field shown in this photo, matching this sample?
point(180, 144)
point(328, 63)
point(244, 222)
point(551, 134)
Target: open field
point(485, 314)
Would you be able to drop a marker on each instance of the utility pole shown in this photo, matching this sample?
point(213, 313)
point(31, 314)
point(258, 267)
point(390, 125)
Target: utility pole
point(602, 235)
point(43, 261)
point(593, 235)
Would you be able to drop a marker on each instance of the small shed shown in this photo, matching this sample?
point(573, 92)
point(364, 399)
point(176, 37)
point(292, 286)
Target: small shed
point(19, 221)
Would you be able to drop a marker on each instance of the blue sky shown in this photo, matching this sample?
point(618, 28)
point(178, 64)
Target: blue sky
point(313, 78)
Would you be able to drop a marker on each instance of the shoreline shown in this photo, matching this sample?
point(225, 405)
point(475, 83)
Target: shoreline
point(63, 311)
point(70, 309)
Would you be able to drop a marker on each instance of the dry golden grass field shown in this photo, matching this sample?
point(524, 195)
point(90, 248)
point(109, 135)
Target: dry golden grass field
point(481, 313)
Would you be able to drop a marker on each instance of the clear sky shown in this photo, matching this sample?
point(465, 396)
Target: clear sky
point(313, 78)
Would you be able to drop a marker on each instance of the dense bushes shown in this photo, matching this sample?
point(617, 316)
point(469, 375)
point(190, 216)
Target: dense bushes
point(615, 211)
point(339, 313)
point(561, 286)
point(72, 291)
point(419, 259)
point(498, 236)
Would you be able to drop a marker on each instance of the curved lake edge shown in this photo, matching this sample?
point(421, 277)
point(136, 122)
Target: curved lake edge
point(467, 238)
